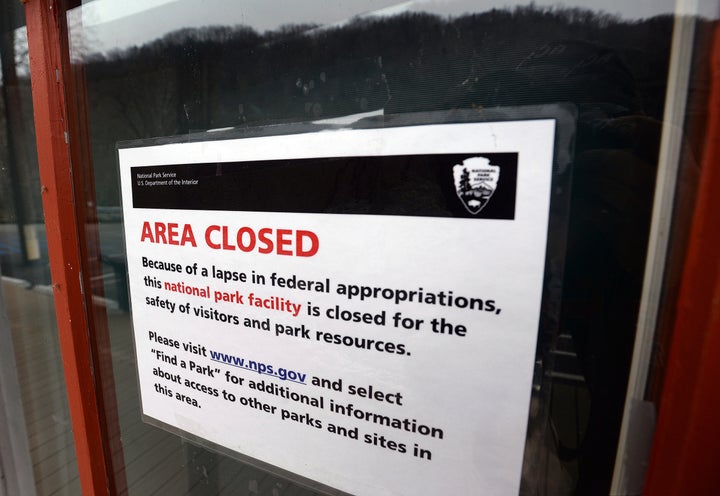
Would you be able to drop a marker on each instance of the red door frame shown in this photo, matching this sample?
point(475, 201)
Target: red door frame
point(68, 197)
point(686, 446)
point(687, 440)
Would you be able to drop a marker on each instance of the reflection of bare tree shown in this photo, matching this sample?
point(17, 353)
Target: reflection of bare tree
point(214, 77)
point(127, 108)
point(22, 56)
point(81, 39)
point(146, 104)
point(17, 164)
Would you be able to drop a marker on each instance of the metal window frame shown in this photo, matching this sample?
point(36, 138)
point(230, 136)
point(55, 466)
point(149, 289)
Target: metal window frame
point(687, 439)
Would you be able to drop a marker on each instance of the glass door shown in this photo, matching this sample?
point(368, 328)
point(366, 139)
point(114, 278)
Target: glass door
point(234, 70)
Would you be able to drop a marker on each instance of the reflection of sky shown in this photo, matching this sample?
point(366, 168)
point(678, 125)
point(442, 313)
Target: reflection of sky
point(22, 63)
point(114, 24)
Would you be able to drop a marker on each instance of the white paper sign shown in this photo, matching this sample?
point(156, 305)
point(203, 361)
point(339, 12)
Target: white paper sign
point(359, 307)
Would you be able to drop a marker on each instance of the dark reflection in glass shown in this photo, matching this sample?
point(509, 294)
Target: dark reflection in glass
point(613, 71)
point(216, 77)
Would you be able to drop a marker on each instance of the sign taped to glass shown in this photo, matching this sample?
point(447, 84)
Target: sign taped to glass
point(351, 298)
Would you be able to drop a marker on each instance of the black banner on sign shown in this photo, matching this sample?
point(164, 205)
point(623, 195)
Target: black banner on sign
point(481, 185)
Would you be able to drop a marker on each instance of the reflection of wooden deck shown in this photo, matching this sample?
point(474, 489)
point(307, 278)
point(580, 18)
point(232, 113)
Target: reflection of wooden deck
point(37, 355)
point(156, 462)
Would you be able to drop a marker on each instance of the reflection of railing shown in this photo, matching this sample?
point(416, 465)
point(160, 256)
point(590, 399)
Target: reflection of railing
point(115, 260)
point(119, 267)
point(109, 214)
point(566, 367)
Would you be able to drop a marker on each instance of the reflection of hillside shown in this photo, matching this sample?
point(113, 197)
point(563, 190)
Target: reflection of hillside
point(220, 77)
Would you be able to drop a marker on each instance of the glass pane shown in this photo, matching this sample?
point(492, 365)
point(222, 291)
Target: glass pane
point(37, 454)
point(246, 64)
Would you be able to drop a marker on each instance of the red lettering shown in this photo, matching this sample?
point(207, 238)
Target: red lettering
point(188, 236)
point(160, 233)
point(209, 241)
point(226, 245)
point(172, 230)
point(251, 234)
point(265, 239)
point(283, 240)
point(314, 243)
point(168, 234)
point(147, 233)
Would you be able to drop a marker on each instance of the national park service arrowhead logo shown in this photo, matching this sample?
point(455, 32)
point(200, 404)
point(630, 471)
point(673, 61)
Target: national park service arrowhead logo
point(475, 182)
